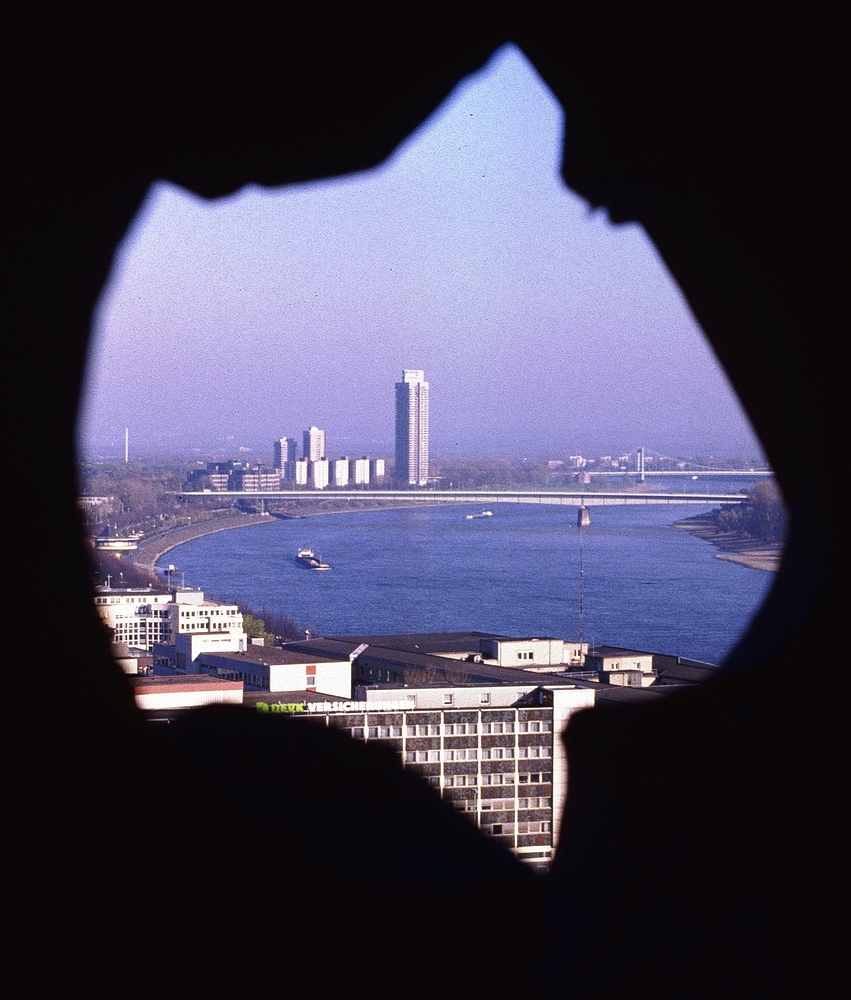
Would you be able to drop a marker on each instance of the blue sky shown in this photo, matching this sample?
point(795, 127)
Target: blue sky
point(543, 329)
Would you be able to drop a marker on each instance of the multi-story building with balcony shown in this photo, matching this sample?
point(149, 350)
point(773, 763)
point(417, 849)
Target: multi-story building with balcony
point(198, 626)
point(493, 751)
point(341, 471)
point(137, 617)
point(285, 451)
point(361, 471)
point(313, 447)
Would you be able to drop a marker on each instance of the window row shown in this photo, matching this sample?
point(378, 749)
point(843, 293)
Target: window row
point(470, 780)
point(535, 826)
point(484, 698)
point(434, 756)
point(458, 729)
point(498, 805)
point(535, 727)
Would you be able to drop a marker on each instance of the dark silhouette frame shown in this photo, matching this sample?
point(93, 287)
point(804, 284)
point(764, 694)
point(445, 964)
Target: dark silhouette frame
point(701, 840)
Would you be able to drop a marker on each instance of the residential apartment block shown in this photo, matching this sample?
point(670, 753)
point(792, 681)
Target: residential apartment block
point(493, 751)
point(313, 447)
point(412, 428)
point(137, 617)
point(198, 626)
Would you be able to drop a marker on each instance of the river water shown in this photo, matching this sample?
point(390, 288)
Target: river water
point(647, 584)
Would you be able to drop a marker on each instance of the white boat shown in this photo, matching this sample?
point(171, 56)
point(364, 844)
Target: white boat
point(484, 513)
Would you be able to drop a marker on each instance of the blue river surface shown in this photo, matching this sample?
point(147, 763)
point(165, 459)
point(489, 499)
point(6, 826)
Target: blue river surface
point(647, 584)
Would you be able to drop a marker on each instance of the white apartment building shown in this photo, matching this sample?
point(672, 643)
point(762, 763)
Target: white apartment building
point(284, 454)
point(199, 626)
point(313, 444)
point(361, 471)
point(138, 617)
point(320, 473)
point(316, 474)
point(412, 428)
point(302, 471)
point(341, 471)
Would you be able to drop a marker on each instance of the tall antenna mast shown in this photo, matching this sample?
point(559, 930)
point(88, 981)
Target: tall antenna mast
point(581, 594)
point(583, 519)
point(126, 445)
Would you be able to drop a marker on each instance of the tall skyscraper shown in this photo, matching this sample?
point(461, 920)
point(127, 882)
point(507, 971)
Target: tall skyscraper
point(314, 444)
point(412, 428)
point(285, 450)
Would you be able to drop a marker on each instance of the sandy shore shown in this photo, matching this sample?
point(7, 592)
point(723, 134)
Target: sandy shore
point(748, 552)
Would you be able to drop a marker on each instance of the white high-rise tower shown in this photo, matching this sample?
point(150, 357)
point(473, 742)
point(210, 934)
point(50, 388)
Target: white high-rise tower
point(412, 428)
point(314, 444)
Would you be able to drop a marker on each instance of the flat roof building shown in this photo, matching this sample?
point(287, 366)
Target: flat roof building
point(493, 751)
point(138, 617)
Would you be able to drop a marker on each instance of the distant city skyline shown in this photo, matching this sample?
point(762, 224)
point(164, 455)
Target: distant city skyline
point(545, 330)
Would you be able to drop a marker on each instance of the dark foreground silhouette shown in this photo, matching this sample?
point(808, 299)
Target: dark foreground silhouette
point(700, 853)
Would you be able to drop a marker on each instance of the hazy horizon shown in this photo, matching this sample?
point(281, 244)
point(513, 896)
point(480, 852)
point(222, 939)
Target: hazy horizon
point(542, 329)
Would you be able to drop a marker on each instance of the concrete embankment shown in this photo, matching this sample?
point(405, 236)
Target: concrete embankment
point(153, 548)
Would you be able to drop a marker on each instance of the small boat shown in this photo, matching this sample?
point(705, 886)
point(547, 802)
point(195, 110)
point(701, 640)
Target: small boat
point(484, 513)
point(308, 559)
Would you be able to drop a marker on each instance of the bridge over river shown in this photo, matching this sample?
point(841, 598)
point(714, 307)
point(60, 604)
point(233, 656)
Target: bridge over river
point(482, 498)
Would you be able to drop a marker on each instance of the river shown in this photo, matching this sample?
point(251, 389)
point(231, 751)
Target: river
point(647, 584)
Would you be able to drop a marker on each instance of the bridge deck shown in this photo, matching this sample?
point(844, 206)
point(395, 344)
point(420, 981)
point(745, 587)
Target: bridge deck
point(573, 498)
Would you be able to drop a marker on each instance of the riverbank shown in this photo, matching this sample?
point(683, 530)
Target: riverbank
point(750, 552)
point(150, 550)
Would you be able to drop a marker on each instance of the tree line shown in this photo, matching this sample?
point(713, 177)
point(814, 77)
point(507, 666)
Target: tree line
point(761, 517)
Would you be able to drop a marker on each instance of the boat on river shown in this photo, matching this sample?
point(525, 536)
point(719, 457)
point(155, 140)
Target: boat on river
point(484, 513)
point(309, 559)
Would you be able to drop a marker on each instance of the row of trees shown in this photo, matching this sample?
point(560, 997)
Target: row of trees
point(270, 626)
point(497, 473)
point(142, 495)
point(761, 517)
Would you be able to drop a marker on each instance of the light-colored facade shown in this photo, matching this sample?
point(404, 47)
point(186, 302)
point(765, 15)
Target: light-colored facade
point(361, 470)
point(377, 469)
point(285, 451)
point(412, 428)
point(341, 467)
point(277, 670)
point(199, 626)
point(170, 694)
point(314, 444)
point(320, 473)
point(494, 752)
point(624, 667)
point(257, 480)
point(301, 471)
point(138, 618)
point(543, 655)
